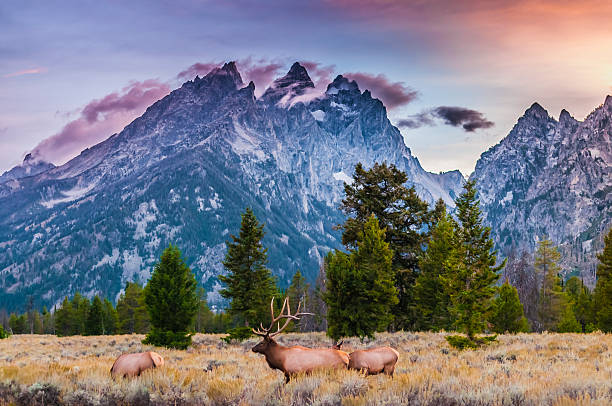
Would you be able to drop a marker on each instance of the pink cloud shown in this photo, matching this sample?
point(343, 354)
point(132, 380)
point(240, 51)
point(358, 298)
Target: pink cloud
point(320, 74)
point(32, 71)
point(199, 69)
point(99, 119)
point(393, 94)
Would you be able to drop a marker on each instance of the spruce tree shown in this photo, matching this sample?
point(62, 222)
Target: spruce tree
point(470, 285)
point(507, 313)
point(603, 288)
point(381, 191)
point(132, 315)
point(431, 299)
point(80, 311)
point(568, 322)
point(248, 284)
point(552, 300)
point(581, 301)
point(360, 292)
point(63, 318)
point(94, 326)
point(171, 301)
point(110, 318)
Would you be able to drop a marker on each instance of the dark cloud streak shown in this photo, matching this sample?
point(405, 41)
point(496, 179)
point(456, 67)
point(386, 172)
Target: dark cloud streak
point(468, 119)
point(392, 94)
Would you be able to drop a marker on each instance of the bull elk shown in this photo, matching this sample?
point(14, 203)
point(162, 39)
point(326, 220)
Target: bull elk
point(295, 359)
point(373, 361)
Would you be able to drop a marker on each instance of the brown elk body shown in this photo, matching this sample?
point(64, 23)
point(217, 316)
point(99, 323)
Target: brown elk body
point(295, 359)
point(374, 361)
point(134, 364)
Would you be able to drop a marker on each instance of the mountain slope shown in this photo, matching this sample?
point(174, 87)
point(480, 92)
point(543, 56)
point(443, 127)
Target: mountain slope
point(184, 171)
point(551, 178)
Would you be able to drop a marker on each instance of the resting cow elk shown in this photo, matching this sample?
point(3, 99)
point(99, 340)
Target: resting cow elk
point(295, 359)
point(134, 364)
point(372, 361)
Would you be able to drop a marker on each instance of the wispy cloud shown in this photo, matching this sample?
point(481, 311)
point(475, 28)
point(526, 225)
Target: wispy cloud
point(99, 119)
point(392, 94)
point(468, 119)
point(32, 71)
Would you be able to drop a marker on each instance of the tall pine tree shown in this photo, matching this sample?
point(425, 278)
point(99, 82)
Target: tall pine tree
point(381, 191)
point(170, 297)
point(298, 293)
point(431, 299)
point(603, 288)
point(360, 293)
point(249, 283)
point(508, 311)
point(132, 315)
point(471, 284)
point(94, 324)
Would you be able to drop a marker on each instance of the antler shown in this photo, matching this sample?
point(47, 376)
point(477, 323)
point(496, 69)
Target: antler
point(263, 332)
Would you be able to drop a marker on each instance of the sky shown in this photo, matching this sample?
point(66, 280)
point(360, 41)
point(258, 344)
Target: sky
point(455, 76)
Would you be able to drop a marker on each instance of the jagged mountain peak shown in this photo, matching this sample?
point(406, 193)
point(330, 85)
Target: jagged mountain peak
point(295, 83)
point(608, 103)
point(226, 76)
point(31, 165)
point(342, 83)
point(537, 111)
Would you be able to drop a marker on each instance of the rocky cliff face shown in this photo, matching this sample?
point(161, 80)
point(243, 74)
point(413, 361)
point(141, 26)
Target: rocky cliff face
point(184, 171)
point(551, 178)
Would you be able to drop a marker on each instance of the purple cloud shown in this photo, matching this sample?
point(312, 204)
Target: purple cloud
point(197, 69)
point(99, 119)
point(470, 120)
point(392, 94)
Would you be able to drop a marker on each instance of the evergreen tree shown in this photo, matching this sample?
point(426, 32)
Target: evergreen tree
point(249, 284)
point(471, 284)
point(568, 322)
point(109, 317)
point(381, 191)
point(170, 298)
point(431, 299)
point(132, 315)
point(360, 291)
point(551, 297)
point(48, 323)
point(508, 311)
point(63, 318)
point(18, 324)
point(581, 301)
point(80, 311)
point(94, 325)
point(37, 323)
point(603, 288)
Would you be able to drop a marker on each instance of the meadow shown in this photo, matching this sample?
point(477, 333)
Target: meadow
point(523, 369)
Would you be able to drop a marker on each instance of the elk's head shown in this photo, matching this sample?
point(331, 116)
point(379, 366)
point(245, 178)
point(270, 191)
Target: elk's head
point(268, 336)
point(338, 345)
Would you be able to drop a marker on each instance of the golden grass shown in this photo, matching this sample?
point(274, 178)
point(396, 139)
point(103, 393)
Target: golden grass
point(524, 369)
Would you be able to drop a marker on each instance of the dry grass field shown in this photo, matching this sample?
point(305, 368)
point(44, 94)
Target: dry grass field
point(524, 369)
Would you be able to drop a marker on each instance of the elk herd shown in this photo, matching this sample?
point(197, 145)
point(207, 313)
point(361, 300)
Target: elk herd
point(289, 360)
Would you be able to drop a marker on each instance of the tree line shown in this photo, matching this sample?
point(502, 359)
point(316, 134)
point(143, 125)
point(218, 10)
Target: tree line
point(405, 266)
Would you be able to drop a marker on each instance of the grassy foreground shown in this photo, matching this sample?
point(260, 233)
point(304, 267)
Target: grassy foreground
point(524, 369)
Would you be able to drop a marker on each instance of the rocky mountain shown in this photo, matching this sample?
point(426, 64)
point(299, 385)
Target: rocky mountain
point(184, 171)
point(551, 178)
point(29, 167)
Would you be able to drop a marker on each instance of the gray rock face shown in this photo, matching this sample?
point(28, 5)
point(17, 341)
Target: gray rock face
point(184, 171)
point(551, 178)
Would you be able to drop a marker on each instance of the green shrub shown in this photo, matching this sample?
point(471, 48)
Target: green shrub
point(464, 343)
point(3, 334)
point(237, 334)
point(170, 339)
